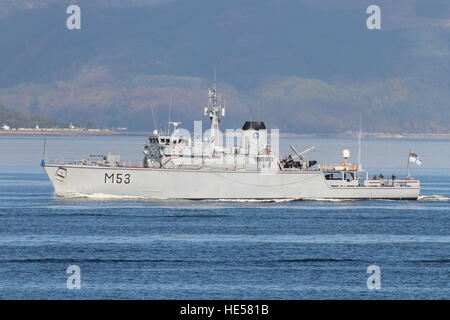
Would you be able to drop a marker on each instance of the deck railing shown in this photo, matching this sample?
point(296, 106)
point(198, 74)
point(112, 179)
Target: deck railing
point(93, 162)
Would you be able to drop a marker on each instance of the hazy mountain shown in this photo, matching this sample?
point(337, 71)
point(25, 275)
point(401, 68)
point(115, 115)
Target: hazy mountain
point(300, 65)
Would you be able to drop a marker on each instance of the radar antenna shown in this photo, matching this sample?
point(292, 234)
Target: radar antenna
point(214, 111)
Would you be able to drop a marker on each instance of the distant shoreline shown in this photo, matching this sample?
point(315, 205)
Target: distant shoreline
point(59, 132)
point(366, 135)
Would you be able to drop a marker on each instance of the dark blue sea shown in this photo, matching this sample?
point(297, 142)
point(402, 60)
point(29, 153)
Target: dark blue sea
point(128, 249)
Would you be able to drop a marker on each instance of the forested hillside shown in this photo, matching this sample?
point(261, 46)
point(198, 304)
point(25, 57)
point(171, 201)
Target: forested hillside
point(299, 65)
point(16, 119)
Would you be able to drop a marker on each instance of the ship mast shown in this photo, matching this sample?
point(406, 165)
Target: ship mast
point(359, 145)
point(214, 111)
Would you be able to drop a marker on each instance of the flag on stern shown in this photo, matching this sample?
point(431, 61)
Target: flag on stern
point(413, 157)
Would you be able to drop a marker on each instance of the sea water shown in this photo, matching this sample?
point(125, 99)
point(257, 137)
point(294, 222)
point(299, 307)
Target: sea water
point(141, 249)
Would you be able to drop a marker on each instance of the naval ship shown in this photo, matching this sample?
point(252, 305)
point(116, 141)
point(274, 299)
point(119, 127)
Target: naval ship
point(178, 166)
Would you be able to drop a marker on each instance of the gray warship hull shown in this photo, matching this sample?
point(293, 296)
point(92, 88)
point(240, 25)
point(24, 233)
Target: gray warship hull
point(247, 166)
point(159, 183)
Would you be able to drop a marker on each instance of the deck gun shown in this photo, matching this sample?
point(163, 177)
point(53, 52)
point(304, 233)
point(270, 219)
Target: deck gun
point(304, 162)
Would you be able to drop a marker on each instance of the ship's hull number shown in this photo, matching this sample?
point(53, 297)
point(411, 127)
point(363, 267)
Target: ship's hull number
point(117, 178)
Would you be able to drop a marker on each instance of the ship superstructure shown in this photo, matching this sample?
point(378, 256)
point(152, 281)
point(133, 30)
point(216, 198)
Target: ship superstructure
point(237, 164)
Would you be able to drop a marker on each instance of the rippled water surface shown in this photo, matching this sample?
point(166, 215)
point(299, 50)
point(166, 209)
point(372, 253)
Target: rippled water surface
point(138, 249)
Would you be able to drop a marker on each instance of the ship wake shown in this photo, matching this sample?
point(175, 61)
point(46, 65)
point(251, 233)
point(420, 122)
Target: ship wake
point(98, 196)
point(434, 198)
point(255, 200)
point(329, 199)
